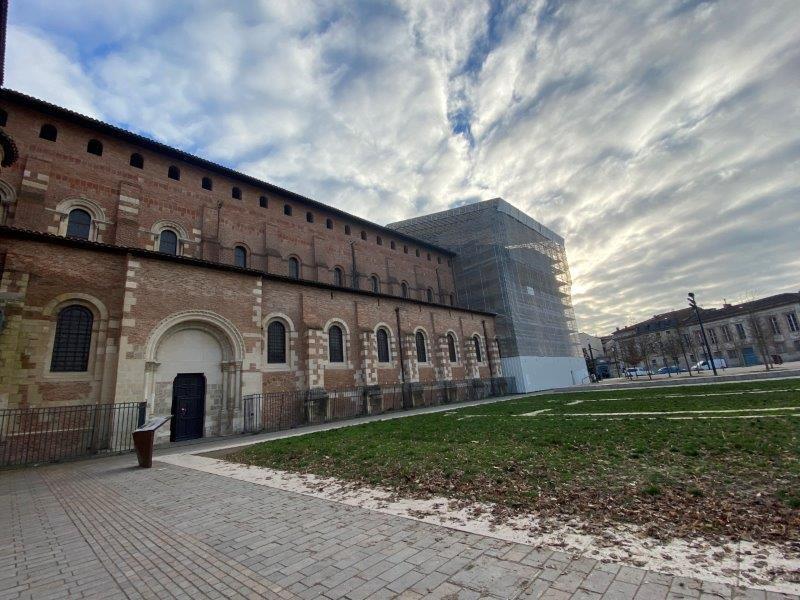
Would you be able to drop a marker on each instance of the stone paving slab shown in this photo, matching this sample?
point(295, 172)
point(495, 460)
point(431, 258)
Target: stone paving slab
point(104, 529)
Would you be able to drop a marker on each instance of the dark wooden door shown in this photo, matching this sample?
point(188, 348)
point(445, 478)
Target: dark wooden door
point(188, 406)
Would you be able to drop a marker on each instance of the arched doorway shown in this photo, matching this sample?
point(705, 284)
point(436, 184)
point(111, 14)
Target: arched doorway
point(194, 372)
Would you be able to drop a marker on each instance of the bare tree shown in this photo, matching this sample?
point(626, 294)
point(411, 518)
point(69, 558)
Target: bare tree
point(630, 352)
point(685, 342)
point(672, 348)
point(646, 347)
point(759, 327)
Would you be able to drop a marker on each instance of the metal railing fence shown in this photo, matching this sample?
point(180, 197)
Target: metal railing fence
point(50, 434)
point(276, 411)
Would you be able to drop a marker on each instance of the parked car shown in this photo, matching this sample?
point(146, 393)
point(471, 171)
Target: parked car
point(636, 372)
point(666, 370)
point(704, 366)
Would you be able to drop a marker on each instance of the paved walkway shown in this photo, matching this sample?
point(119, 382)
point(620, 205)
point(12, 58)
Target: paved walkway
point(104, 529)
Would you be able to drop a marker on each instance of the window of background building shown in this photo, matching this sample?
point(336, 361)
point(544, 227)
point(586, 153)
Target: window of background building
point(335, 344)
point(240, 256)
point(791, 319)
point(207, 184)
point(294, 268)
point(451, 347)
point(422, 355)
point(383, 346)
point(137, 161)
point(174, 173)
point(276, 343)
point(95, 147)
point(48, 132)
point(168, 242)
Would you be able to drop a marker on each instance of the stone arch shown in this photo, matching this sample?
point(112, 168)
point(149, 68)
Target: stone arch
point(214, 348)
point(96, 211)
point(8, 198)
point(346, 342)
point(96, 366)
point(457, 345)
point(393, 351)
point(291, 341)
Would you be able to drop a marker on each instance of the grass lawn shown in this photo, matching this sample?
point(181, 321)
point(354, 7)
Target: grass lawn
point(721, 473)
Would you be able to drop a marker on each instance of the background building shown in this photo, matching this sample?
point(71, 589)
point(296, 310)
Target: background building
point(761, 331)
point(509, 264)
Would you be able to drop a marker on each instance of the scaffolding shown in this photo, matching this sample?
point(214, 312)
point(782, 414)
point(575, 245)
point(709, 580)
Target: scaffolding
point(509, 264)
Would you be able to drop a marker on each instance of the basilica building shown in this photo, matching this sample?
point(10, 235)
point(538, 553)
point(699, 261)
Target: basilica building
point(135, 272)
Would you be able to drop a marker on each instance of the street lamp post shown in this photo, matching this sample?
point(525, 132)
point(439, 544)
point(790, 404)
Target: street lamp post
point(693, 304)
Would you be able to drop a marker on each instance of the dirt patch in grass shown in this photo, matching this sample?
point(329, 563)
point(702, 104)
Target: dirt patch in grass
point(732, 479)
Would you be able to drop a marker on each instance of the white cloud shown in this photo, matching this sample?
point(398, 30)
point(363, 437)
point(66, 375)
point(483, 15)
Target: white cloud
point(661, 139)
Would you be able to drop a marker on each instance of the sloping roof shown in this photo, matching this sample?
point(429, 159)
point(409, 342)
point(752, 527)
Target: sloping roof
point(153, 145)
point(30, 234)
point(686, 316)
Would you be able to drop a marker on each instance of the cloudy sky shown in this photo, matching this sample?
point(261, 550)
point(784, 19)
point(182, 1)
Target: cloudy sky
point(661, 139)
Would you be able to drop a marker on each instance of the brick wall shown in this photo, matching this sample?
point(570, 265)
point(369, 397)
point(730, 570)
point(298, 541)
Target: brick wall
point(131, 204)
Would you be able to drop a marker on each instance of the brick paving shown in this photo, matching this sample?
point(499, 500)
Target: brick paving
point(103, 529)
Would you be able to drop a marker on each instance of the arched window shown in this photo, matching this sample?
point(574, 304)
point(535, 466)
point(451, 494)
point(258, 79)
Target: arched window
point(379, 240)
point(240, 256)
point(363, 235)
point(79, 224)
point(168, 242)
point(95, 147)
point(207, 184)
point(73, 340)
point(3, 118)
point(335, 344)
point(262, 202)
point(422, 354)
point(376, 284)
point(477, 341)
point(294, 268)
point(309, 217)
point(137, 160)
point(276, 343)
point(338, 277)
point(429, 294)
point(329, 223)
point(236, 193)
point(451, 347)
point(404, 289)
point(174, 173)
point(383, 346)
point(452, 300)
point(347, 229)
point(287, 210)
point(48, 132)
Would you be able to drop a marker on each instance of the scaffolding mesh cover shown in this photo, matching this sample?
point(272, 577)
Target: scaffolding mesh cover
point(509, 264)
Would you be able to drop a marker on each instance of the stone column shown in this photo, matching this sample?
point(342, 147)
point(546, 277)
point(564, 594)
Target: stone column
point(369, 358)
point(410, 358)
point(316, 353)
point(444, 370)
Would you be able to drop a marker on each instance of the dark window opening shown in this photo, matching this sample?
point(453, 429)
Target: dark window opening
point(363, 235)
point(73, 340)
point(438, 260)
point(429, 294)
point(422, 355)
point(287, 210)
point(404, 289)
point(405, 249)
point(392, 245)
point(429, 255)
point(3, 117)
point(338, 277)
point(329, 223)
point(476, 340)
point(309, 217)
point(207, 183)
point(451, 347)
point(383, 346)
point(276, 343)
point(417, 252)
point(79, 224)
point(452, 300)
point(376, 284)
point(379, 240)
point(335, 344)
point(262, 202)
point(236, 193)
point(48, 132)
point(168, 242)
point(95, 147)
point(240, 256)
point(294, 268)
point(174, 173)
point(347, 229)
point(137, 160)
point(497, 346)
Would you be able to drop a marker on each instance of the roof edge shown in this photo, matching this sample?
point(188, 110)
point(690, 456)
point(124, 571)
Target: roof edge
point(29, 234)
point(199, 161)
